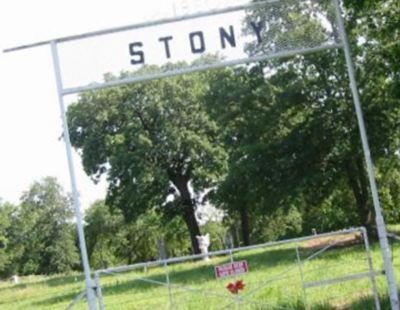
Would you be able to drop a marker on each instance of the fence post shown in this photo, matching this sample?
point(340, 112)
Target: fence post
point(300, 264)
point(171, 303)
point(371, 268)
point(237, 298)
point(98, 291)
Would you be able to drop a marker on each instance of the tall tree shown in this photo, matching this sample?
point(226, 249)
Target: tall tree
point(240, 101)
point(153, 140)
point(113, 241)
point(44, 237)
point(294, 135)
point(102, 234)
point(320, 151)
point(7, 261)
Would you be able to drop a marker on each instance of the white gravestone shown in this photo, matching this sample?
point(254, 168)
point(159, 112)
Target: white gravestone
point(15, 279)
point(204, 243)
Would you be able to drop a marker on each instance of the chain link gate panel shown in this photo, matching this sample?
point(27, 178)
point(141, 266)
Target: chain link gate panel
point(289, 274)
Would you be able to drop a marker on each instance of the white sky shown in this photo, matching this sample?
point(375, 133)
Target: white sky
point(30, 123)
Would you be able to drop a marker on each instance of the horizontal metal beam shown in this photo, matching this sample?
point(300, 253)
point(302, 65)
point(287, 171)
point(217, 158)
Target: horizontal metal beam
point(343, 279)
point(227, 251)
point(144, 25)
point(148, 77)
point(394, 236)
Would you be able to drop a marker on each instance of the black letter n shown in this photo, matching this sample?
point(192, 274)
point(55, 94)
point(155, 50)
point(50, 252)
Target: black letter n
point(227, 37)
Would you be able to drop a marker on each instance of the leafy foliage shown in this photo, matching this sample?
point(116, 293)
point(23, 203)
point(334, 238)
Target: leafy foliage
point(152, 139)
point(112, 241)
point(6, 225)
point(291, 131)
point(40, 237)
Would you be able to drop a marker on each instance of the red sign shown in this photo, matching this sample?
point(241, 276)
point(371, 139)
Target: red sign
point(231, 269)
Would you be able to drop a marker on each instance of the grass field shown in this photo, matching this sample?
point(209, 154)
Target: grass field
point(274, 282)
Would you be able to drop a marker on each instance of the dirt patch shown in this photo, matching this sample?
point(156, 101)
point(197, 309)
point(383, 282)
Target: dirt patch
point(336, 241)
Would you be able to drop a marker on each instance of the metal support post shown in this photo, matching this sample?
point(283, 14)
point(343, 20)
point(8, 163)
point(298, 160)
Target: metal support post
point(99, 293)
point(79, 222)
point(371, 269)
point(300, 264)
point(386, 253)
point(171, 302)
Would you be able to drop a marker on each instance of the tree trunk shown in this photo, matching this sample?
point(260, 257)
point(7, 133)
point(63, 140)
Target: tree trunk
point(182, 184)
point(235, 236)
point(193, 227)
point(358, 182)
point(245, 225)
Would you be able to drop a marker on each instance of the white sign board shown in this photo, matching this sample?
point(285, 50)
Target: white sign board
point(231, 269)
point(229, 36)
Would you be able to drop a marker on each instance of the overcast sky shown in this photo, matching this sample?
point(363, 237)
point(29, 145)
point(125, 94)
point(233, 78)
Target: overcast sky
point(30, 124)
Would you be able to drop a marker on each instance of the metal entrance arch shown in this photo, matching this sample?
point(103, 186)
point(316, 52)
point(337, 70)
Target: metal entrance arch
point(342, 43)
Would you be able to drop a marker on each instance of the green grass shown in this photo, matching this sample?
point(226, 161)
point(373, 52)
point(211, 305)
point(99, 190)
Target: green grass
point(394, 228)
point(194, 285)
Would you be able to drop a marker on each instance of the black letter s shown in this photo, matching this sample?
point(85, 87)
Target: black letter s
point(140, 54)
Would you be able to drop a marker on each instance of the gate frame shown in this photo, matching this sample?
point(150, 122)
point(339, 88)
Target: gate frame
point(382, 233)
point(163, 263)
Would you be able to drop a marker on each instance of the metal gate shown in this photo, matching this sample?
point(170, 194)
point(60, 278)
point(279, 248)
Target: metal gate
point(289, 274)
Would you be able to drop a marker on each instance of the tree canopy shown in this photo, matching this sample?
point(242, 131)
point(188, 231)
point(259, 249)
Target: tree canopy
point(39, 234)
point(301, 145)
point(154, 140)
point(276, 137)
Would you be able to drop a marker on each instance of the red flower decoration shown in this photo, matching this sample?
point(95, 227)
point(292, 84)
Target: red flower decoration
point(234, 288)
point(240, 285)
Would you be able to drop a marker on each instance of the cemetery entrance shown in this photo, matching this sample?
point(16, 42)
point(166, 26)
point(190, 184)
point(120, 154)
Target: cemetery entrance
point(243, 33)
